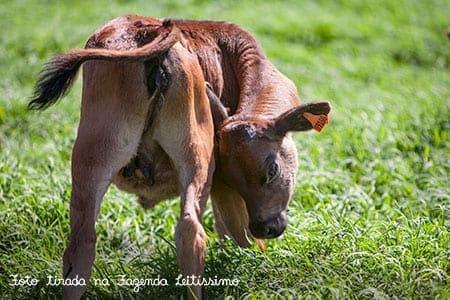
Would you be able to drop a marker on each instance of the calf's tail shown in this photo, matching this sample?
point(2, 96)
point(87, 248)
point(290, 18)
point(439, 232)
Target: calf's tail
point(60, 73)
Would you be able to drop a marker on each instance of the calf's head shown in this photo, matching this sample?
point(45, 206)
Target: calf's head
point(258, 159)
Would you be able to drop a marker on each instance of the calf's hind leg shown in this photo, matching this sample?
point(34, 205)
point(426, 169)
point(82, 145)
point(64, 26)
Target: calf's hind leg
point(112, 121)
point(184, 129)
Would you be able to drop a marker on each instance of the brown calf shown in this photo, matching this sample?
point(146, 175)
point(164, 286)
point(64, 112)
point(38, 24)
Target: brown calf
point(147, 126)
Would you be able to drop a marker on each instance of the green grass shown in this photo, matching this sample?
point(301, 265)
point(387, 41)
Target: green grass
point(370, 216)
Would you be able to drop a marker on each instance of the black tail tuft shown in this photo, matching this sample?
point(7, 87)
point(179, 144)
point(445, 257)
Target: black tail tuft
point(54, 81)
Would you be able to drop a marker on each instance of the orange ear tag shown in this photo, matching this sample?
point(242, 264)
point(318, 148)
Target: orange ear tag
point(317, 121)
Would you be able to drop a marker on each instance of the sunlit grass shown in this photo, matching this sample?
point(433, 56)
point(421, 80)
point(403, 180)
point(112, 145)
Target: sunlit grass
point(370, 215)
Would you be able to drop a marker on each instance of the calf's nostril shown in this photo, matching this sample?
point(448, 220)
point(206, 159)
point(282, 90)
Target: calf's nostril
point(270, 231)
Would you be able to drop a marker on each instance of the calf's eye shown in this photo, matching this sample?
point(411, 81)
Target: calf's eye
point(272, 172)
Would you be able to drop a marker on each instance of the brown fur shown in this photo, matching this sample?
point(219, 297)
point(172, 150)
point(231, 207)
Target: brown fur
point(147, 126)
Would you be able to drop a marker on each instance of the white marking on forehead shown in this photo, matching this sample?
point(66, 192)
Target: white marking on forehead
point(247, 128)
point(251, 131)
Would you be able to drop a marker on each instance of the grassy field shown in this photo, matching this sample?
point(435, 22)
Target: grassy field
point(371, 212)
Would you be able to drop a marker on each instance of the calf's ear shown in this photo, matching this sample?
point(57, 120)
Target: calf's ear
point(218, 110)
point(305, 117)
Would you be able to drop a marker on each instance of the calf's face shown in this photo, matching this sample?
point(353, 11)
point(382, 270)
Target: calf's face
point(257, 158)
point(262, 167)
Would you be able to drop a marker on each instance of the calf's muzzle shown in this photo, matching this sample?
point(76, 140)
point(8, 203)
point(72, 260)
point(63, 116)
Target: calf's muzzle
point(268, 229)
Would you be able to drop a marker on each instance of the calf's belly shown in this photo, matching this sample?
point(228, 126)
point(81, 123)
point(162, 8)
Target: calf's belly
point(149, 175)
